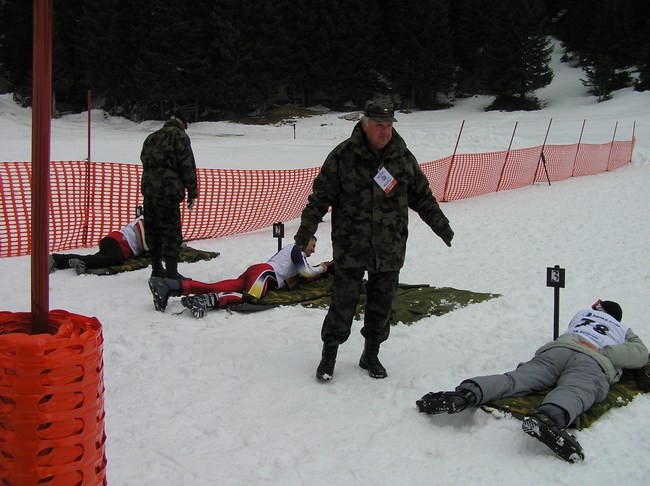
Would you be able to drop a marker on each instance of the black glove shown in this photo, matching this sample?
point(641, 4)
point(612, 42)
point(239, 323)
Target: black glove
point(446, 234)
point(330, 267)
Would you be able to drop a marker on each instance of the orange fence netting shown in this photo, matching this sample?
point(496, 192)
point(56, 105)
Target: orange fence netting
point(89, 200)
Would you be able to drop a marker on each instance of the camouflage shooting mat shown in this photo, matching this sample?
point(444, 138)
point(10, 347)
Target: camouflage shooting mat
point(412, 303)
point(187, 255)
point(620, 394)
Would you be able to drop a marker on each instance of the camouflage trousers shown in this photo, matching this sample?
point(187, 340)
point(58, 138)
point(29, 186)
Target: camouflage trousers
point(162, 229)
point(381, 289)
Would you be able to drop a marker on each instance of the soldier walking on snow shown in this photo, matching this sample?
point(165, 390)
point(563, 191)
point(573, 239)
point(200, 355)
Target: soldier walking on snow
point(370, 181)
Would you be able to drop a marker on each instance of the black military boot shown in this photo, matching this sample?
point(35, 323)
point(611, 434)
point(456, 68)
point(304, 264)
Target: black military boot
point(325, 370)
point(162, 289)
point(370, 360)
point(172, 270)
point(157, 269)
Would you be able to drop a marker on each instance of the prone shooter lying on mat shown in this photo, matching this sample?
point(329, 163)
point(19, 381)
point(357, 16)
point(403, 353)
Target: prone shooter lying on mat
point(283, 270)
point(114, 249)
point(579, 366)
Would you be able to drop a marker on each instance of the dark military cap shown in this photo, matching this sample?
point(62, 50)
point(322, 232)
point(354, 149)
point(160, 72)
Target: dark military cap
point(181, 118)
point(380, 110)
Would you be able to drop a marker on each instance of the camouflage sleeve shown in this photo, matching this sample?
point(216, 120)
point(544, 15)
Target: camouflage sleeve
point(422, 200)
point(187, 165)
point(324, 191)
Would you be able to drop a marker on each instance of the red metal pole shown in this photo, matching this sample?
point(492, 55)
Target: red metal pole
point(87, 188)
point(632, 148)
point(611, 146)
point(575, 159)
point(505, 162)
point(89, 121)
point(41, 116)
point(451, 163)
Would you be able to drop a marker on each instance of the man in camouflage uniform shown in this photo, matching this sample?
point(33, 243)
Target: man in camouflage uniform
point(168, 171)
point(370, 181)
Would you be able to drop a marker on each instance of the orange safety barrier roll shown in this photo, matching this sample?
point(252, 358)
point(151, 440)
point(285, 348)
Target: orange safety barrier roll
point(51, 401)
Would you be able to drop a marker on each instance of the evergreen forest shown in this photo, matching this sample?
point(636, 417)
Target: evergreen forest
point(219, 59)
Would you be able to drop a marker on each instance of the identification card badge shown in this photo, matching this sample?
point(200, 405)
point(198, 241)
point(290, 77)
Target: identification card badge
point(385, 180)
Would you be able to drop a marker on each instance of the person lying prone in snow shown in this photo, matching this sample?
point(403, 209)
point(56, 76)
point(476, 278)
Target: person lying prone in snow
point(578, 368)
point(284, 270)
point(114, 249)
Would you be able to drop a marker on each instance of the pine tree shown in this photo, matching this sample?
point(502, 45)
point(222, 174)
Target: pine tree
point(306, 49)
point(16, 27)
point(67, 77)
point(470, 31)
point(420, 57)
point(517, 55)
point(608, 44)
point(349, 60)
point(224, 53)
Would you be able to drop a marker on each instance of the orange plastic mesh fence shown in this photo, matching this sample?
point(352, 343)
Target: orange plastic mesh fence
point(52, 401)
point(89, 200)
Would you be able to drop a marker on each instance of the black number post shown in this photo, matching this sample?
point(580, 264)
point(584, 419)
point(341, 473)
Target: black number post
point(278, 232)
point(555, 279)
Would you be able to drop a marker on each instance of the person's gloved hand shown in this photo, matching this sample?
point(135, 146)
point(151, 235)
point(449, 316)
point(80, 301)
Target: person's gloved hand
point(191, 203)
point(446, 234)
point(330, 267)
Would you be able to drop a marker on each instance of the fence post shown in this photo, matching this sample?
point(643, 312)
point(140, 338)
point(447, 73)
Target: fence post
point(505, 162)
point(87, 198)
point(453, 156)
point(541, 155)
point(632, 144)
point(575, 159)
point(611, 146)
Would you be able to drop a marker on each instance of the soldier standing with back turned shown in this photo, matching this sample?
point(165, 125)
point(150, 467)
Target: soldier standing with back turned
point(169, 170)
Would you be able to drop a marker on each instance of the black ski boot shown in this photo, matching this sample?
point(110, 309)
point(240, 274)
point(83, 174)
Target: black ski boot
point(446, 402)
point(79, 267)
point(370, 360)
point(325, 370)
point(543, 428)
point(199, 304)
point(162, 289)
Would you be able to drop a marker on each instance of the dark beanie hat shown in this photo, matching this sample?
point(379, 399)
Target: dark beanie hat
point(613, 309)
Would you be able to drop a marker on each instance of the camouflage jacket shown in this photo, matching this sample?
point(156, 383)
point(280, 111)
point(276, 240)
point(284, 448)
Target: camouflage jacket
point(168, 165)
point(369, 227)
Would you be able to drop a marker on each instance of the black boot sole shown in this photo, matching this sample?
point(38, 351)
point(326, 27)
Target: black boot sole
point(157, 300)
point(563, 444)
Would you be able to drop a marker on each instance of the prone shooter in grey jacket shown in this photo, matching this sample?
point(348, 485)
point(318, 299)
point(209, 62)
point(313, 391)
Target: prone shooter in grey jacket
point(578, 368)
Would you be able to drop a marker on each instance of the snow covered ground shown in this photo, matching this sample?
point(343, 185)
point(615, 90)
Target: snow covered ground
point(231, 399)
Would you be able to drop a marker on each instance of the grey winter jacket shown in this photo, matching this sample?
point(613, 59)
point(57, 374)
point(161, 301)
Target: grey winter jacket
point(631, 354)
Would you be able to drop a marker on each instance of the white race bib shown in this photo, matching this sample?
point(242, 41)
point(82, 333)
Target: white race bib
point(385, 180)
